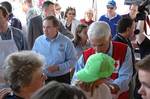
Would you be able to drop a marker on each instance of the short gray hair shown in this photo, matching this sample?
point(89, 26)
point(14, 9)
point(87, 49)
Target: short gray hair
point(19, 68)
point(98, 30)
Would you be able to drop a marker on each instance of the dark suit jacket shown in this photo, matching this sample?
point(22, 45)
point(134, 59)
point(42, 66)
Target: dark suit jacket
point(34, 30)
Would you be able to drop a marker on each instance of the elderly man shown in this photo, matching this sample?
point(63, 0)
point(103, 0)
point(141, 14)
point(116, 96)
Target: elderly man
point(99, 34)
point(111, 17)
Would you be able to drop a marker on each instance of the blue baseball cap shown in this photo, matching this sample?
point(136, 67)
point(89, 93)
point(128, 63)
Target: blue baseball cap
point(111, 4)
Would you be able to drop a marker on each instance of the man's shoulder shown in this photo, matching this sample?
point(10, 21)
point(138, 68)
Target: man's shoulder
point(16, 30)
point(115, 43)
point(87, 53)
point(116, 38)
point(102, 17)
point(15, 19)
point(125, 15)
point(41, 37)
point(36, 19)
point(64, 38)
point(89, 49)
point(118, 15)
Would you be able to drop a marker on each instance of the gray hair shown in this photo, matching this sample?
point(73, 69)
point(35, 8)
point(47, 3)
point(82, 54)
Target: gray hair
point(19, 68)
point(98, 30)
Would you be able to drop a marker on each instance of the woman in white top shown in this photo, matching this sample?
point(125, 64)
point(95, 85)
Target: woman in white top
point(69, 21)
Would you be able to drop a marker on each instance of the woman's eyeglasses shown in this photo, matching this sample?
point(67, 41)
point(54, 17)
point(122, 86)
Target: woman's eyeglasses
point(71, 13)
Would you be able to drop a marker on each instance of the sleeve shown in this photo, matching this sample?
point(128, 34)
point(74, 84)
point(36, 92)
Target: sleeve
point(30, 34)
point(35, 46)
point(20, 39)
point(101, 18)
point(125, 72)
point(70, 57)
point(24, 42)
point(16, 23)
point(79, 65)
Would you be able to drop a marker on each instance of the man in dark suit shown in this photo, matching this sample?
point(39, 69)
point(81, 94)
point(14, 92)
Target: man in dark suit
point(34, 30)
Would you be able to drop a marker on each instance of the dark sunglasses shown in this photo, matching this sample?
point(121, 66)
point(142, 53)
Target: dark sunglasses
point(71, 13)
point(110, 7)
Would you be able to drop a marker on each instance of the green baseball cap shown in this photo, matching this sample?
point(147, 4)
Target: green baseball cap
point(98, 66)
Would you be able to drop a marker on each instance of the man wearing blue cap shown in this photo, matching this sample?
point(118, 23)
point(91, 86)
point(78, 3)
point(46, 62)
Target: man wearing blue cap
point(111, 17)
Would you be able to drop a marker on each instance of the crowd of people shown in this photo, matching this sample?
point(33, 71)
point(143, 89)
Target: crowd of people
point(57, 56)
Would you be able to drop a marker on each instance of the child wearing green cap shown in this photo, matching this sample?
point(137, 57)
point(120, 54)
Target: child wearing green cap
point(92, 78)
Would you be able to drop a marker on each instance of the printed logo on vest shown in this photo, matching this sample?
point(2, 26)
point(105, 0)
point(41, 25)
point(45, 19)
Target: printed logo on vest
point(117, 64)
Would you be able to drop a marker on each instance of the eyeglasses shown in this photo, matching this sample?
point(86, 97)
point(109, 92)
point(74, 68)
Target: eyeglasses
point(58, 9)
point(71, 13)
point(110, 7)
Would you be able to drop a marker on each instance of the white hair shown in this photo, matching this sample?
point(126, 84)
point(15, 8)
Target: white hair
point(98, 30)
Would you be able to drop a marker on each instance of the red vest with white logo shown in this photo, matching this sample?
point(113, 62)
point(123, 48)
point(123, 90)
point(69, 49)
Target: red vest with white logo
point(119, 53)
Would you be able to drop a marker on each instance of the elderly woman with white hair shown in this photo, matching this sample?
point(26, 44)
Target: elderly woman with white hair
point(24, 74)
point(88, 17)
point(99, 34)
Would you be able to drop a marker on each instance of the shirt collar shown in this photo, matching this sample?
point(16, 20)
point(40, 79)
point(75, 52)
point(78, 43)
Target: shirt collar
point(51, 40)
point(109, 52)
point(106, 15)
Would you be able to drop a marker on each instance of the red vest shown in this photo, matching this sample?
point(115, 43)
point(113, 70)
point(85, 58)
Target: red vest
point(119, 53)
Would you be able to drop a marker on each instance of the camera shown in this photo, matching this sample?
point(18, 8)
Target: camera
point(143, 9)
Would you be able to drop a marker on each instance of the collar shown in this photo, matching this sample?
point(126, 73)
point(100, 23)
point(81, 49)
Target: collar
point(7, 31)
point(106, 15)
point(122, 38)
point(51, 40)
point(109, 52)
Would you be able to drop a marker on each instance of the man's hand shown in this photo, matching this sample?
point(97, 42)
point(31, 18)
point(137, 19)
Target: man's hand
point(113, 87)
point(53, 68)
point(4, 92)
